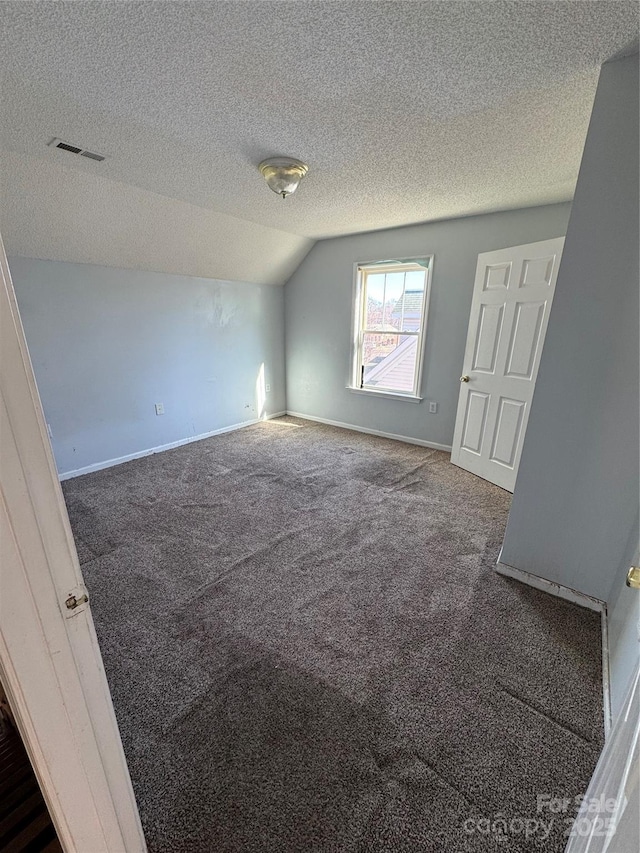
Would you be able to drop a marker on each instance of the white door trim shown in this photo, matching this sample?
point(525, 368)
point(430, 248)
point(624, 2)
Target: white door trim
point(608, 820)
point(50, 663)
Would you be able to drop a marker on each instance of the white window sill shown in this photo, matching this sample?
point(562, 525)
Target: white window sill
point(390, 395)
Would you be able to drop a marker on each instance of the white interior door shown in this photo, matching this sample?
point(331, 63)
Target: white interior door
point(50, 664)
point(512, 298)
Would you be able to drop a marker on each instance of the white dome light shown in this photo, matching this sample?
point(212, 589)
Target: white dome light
point(283, 174)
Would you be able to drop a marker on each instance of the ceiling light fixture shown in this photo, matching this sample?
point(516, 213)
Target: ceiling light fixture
point(283, 174)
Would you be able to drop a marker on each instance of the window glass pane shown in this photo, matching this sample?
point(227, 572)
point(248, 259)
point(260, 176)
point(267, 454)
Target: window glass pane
point(389, 360)
point(415, 279)
point(394, 289)
point(375, 297)
point(407, 312)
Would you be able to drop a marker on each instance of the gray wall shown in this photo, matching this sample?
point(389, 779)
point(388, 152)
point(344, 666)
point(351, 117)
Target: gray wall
point(318, 317)
point(576, 496)
point(107, 344)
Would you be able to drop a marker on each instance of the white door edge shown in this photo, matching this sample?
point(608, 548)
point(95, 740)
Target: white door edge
point(50, 663)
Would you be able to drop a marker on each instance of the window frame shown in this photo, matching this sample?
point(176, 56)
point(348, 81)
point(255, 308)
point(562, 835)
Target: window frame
point(358, 328)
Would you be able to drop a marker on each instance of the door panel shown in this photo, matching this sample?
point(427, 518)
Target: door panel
point(476, 417)
point(496, 276)
point(537, 271)
point(525, 338)
point(490, 324)
point(512, 299)
point(507, 432)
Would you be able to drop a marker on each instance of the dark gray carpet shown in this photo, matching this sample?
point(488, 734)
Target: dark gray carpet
point(309, 650)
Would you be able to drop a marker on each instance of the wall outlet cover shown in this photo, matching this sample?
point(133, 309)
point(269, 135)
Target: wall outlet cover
point(159, 408)
point(433, 408)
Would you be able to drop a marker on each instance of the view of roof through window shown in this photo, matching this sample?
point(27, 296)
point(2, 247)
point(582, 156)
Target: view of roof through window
point(393, 307)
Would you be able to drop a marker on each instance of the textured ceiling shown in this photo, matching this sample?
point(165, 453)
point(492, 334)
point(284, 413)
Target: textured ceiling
point(404, 111)
point(58, 213)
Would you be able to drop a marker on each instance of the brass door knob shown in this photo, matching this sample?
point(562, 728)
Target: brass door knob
point(464, 378)
point(633, 577)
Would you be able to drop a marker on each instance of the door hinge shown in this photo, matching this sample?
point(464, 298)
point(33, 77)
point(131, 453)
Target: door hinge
point(75, 601)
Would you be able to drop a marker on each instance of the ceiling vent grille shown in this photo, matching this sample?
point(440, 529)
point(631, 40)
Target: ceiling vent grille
point(74, 149)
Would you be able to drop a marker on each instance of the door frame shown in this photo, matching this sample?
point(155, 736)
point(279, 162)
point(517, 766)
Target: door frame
point(50, 663)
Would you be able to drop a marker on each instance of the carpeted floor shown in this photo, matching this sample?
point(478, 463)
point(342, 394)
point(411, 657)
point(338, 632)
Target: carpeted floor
point(309, 651)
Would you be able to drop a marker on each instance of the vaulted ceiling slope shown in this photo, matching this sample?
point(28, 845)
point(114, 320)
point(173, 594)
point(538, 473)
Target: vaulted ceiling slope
point(51, 211)
point(405, 111)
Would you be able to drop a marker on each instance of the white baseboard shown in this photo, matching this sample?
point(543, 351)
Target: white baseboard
point(551, 587)
point(109, 463)
point(406, 438)
point(582, 599)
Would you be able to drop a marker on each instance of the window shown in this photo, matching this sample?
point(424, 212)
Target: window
point(390, 313)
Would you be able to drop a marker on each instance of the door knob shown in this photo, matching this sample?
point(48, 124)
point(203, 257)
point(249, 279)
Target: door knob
point(464, 378)
point(633, 577)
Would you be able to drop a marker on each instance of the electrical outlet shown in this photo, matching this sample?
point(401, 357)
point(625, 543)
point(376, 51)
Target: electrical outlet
point(159, 408)
point(433, 408)
point(267, 388)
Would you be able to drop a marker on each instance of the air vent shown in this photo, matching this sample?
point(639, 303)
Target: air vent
point(91, 155)
point(66, 146)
